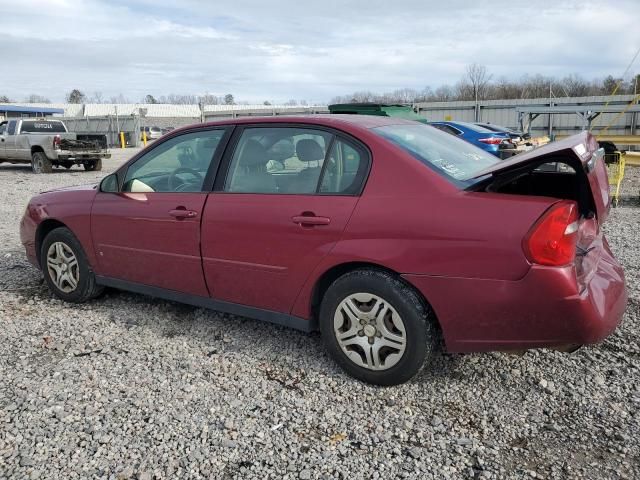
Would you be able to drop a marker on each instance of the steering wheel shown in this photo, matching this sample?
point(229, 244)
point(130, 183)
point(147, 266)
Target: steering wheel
point(176, 183)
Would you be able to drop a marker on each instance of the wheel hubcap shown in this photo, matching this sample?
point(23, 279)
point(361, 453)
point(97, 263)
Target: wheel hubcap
point(62, 266)
point(370, 331)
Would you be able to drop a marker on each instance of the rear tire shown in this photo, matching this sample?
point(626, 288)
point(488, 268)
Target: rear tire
point(93, 166)
point(376, 327)
point(66, 269)
point(40, 163)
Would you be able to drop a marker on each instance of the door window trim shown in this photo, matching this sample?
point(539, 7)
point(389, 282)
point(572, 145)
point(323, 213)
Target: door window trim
point(216, 160)
point(337, 135)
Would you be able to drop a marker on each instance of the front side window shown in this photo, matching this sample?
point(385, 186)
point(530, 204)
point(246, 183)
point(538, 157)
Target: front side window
point(177, 165)
point(284, 160)
point(451, 157)
point(11, 128)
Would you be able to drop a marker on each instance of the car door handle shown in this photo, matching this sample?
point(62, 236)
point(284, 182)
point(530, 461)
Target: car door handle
point(181, 213)
point(310, 220)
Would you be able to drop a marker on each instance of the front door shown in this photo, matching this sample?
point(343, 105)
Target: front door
point(286, 199)
point(10, 140)
point(149, 232)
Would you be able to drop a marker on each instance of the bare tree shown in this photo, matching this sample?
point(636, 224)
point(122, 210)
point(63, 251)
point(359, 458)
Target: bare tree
point(4, 99)
point(443, 93)
point(208, 99)
point(478, 78)
point(120, 98)
point(34, 98)
point(575, 86)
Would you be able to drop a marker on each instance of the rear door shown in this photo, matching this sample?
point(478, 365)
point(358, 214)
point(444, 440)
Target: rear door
point(282, 201)
point(149, 232)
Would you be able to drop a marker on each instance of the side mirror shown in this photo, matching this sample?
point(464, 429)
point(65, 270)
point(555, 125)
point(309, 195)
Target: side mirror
point(109, 184)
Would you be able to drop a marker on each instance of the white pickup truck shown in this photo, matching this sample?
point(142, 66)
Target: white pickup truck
point(47, 143)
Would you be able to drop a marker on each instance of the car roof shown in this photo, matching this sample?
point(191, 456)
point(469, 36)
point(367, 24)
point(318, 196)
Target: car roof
point(328, 120)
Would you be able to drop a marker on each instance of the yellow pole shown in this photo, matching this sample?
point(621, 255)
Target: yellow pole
point(144, 137)
point(122, 140)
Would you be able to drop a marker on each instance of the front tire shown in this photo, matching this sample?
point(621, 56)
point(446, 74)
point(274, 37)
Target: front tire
point(66, 269)
point(40, 163)
point(93, 166)
point(376, 327)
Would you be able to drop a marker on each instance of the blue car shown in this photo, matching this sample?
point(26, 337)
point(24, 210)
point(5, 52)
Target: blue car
point(481, 137)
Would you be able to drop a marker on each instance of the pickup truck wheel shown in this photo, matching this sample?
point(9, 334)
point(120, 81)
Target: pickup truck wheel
point(66, 269)
point(40, 163)
point(377, 328)
point(93, 166)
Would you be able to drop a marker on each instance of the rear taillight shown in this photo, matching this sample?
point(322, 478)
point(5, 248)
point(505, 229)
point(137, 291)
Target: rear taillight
point(552, 239)
point(56, 141)
point(491, 140)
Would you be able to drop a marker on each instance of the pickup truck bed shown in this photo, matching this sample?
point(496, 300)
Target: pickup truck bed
point(46, 144)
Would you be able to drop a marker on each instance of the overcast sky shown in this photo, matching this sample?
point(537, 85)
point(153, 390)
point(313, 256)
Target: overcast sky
point(296, 49)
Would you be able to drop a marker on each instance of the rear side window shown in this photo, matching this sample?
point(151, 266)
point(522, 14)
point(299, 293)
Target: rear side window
point(34, 126)
point(296, 161)
point(451, 157)
point(285, 160)
point(345, 169)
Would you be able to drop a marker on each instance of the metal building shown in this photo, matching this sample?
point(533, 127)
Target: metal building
point(17, 111)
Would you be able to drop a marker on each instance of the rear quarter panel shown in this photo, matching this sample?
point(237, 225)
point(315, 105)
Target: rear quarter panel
point(413, 221)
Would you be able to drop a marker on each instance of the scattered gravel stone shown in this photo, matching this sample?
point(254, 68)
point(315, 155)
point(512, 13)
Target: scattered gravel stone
point(130, 387)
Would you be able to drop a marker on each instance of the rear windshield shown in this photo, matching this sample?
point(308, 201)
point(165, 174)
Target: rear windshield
point(474, 127)
point(453, 158)
point(39, 126)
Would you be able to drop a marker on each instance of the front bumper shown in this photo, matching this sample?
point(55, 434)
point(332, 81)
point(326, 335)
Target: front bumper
point(28, 229)
point(546, 308)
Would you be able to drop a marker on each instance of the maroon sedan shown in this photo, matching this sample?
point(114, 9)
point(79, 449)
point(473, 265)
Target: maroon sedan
point(385, 234)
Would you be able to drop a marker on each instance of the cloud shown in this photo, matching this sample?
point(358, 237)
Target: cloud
point(285, 49)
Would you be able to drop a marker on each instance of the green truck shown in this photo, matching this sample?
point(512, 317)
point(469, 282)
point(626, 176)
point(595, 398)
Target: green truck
point(380, 109)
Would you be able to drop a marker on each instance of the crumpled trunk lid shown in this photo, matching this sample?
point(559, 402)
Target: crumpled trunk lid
point(579, 151)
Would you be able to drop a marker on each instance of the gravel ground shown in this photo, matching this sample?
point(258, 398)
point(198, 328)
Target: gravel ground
point(131, 387)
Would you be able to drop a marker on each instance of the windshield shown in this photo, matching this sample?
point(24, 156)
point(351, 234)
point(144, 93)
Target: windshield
point(453, 158)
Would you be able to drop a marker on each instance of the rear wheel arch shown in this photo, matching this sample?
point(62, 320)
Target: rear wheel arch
point(332, 274)
point(36, 149)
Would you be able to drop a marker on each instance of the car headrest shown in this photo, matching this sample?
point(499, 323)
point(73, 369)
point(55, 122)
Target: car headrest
point(253, 154)
point(282, 150)
point(309, 150)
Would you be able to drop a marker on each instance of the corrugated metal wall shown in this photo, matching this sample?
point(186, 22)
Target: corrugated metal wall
point(503, 112)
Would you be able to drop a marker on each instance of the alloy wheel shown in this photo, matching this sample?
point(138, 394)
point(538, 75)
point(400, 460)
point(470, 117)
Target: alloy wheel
point(370, 331)
point(62, 266)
